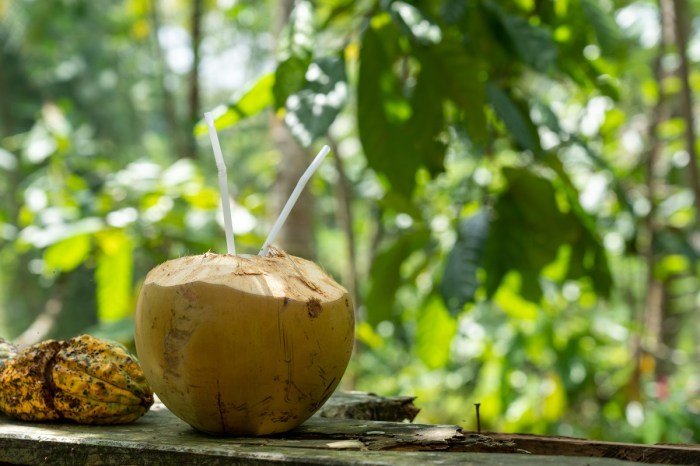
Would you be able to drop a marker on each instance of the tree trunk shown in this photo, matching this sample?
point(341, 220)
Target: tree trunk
point(675, 305)
point(22, 296)
point(678, 302)
point(193, 92)
point(345, 220)
point(647, 344)
point(6, 117)
point(297, 235)
point(666, 303)
point(169, 109)
point(681, 22)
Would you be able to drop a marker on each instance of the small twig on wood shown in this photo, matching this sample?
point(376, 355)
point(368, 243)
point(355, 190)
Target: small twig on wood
point(478, 418)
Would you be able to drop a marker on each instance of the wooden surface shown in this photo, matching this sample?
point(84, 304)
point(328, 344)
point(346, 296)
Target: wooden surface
point(567, 446)
point(159, 438)
point(369, 407)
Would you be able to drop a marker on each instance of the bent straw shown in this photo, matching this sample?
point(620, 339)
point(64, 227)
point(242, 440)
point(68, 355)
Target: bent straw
point(293, 199)
point(223, 183)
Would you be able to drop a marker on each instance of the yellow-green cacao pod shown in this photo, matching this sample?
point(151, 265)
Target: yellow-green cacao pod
point(83, 379)
point(25, 389)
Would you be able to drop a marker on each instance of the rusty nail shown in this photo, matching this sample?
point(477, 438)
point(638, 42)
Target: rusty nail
point(478, 418)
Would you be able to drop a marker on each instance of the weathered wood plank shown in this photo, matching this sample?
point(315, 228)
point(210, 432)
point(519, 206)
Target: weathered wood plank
point(368, 406)
point(160, 438)
point(361, 405)
point(567, 446)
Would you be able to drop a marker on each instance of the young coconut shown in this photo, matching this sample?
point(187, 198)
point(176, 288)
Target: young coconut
point(243, 345)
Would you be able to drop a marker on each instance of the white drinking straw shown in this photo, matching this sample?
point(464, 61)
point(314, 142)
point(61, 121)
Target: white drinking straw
point(223, 183)
point(293, 199)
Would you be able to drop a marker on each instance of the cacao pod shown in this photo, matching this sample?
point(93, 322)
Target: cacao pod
point(83, 379)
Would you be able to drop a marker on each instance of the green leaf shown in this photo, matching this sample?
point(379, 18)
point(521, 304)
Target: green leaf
point(526, 233)
point(517, 122)
point(297, 37)
point(334, 12)
point(399, 134)
point(113, 275)
point(453, 11)
point(289, 78)
point(250, 103)
point(427, 118)
point(385, 276)
point(457, 78)
point(68, 254)
point(435, 329)
point(295, 52)
point(606, 30)
point(588, 253)
point(532, 44)
point(509, 299)
point(312, 110)
point(398, 203)
point(547, 117)
point(383, 110)
point(414, 23)
point(367, 335)
point(459, 282)
point(554, 403)
point(529, 229)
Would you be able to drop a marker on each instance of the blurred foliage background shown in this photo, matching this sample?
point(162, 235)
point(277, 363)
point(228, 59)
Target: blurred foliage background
point(512, 195)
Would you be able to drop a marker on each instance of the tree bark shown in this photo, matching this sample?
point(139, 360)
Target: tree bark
point(193, 91)
point(681, 22)
point(6, 117)
point(675, 26)
point(665, 304)
point(297, 235)
point(678, 303)
point(647, 342)
point(169, 109)
point(345, 220)
point(23, 297)
point(677, 307)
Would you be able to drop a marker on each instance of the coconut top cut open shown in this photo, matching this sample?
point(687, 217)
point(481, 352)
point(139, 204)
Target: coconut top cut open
point(278, 275)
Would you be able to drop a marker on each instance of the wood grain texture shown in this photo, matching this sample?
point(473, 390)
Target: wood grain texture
point(370, 407)
point(551, 445)
point(160, 438)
